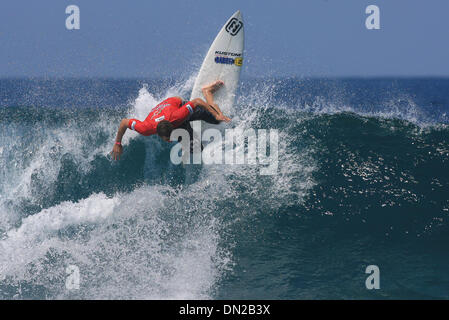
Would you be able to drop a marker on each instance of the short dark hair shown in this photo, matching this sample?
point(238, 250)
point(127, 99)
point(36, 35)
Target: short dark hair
point(164, 128)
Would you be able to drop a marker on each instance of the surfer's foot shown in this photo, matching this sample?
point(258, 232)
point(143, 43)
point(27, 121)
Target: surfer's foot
point(222, 117)
point(212, 87)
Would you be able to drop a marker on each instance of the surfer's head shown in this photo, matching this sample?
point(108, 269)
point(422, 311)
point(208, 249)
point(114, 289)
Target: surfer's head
point(164, 129)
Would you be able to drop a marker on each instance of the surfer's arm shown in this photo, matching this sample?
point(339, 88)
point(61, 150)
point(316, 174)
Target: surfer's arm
point(118, 149)
point(121, 130)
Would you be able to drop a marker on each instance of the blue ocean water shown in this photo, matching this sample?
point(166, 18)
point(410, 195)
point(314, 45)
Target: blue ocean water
point(363, 179)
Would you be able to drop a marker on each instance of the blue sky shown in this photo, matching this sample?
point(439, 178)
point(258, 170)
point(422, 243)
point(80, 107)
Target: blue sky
point(144, 38)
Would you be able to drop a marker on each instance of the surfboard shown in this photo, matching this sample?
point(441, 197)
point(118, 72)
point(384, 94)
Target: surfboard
point(223, 61)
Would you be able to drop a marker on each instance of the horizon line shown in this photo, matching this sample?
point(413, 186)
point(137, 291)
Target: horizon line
point(287, 77)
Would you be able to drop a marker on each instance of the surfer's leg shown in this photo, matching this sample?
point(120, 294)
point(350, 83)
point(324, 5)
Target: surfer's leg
point(202, 113)
point(209, 90)
point(212, 108)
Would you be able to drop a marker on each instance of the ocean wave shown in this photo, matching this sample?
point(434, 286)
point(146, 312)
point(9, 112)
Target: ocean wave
point(141, 228)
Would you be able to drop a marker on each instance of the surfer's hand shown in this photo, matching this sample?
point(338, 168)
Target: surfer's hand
point(222, 117)
point(116, 151)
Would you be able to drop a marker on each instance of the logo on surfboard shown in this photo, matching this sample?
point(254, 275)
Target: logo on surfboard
point(227, 57)
point(225, 60)
point(233, 27)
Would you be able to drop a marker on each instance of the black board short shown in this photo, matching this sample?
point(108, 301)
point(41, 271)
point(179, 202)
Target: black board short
point(199, 113)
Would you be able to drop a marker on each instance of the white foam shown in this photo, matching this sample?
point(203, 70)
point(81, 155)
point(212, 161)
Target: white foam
point(24, 244)
point(133, 248)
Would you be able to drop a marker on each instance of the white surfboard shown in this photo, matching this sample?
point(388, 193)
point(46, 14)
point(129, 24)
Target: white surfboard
point(223, 61)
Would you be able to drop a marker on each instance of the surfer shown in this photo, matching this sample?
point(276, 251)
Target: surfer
point(173, 113)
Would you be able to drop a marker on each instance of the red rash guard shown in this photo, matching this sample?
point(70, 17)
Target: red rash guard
point(169, 109)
